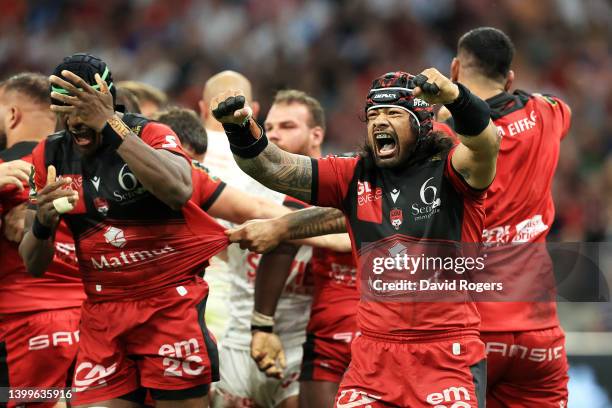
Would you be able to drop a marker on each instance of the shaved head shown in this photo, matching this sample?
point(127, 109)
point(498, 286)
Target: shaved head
point(219, 83)
point(224, 81)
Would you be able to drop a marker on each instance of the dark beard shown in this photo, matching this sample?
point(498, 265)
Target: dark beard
point(423, 149)
point(2, 141)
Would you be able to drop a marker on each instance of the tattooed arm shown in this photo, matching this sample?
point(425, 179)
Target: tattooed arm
point(281, 171)
point(262, 236)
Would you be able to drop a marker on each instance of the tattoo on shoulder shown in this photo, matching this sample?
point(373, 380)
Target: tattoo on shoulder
point(281, 171)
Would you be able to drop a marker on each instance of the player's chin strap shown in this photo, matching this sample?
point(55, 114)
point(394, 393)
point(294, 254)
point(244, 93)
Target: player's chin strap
point(262, 322)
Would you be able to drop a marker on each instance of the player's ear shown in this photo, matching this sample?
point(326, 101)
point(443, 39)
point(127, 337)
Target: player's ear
point(255, 106)
point(14, 117)
point(455, 66)
point(318, 135)
point(204, 112)
point(509, 80)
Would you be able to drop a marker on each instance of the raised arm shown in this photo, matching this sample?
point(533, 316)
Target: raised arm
point(165, 175)
point(273, 167)
point(475, 157)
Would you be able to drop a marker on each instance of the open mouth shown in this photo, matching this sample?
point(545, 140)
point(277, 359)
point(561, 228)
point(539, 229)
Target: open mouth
point(83, 137)
point(386, 144)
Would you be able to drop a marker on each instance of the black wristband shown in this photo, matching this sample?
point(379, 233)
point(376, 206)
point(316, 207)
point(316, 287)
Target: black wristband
point(267, 329)
point(242, 142)
point(471, 114)
point(41, 231)
point(110, 137)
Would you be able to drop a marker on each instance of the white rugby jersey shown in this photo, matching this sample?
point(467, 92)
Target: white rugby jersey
point(238, 274)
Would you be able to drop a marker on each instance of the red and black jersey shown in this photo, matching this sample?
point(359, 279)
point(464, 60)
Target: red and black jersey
point(129, 243)
point(335, 295)
point(519, 206)
point(20, 292)
point(429, 202)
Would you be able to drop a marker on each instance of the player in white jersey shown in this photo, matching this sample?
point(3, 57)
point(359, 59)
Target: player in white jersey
point(241, 382)
point(220, 162)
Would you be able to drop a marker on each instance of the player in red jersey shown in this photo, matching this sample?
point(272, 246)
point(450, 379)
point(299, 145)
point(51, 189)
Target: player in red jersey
point(527, 364)
point(406, 191)
point(39, 325)
point(124, 192)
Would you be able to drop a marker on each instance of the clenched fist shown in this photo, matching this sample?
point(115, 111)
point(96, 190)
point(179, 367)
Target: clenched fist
point(433, 87)
point(267, 351)
point(231, 107)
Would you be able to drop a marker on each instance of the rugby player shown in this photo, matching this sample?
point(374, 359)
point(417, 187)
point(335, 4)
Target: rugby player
point(124, 191)
point(409, 353)
point(519, 209)
point(150, 99)
point(332, 324)
point(39, 326)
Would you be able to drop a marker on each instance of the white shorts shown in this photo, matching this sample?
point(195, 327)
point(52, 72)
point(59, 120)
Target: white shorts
point(242, 384)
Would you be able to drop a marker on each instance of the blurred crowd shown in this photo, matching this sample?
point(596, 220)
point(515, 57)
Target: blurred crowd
point(332, 49)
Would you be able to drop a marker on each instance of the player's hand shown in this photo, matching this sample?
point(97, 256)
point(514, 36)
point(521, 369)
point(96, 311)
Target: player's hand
point(14, 222)
point(231, 107)
point(259, 236)
point(93, 107)
point(14, 172)
point(267, 351)
point(433, 87)
point(47, 214)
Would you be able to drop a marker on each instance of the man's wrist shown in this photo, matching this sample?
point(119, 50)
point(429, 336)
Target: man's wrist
point(471, 114)
point(40, 231)
point(262, 322)
point(114, 132)
point(246, 141)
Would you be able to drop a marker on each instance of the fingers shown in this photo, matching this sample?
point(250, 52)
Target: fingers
point(229, 106)
point(51, 174)
point(282, 361)
point(77, 81)
point(17, 169)
point(62, 109)
point(71, 89)
point(6, 180)
point(70, 100)
point(102, 84)
point(426, 85)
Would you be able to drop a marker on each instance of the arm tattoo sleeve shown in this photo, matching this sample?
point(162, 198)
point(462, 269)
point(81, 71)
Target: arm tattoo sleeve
point(281, 171)
point(315, 221)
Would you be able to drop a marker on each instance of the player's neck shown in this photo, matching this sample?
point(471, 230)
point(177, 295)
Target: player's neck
point(31, 133)
point(482, 87)
point(213, 125)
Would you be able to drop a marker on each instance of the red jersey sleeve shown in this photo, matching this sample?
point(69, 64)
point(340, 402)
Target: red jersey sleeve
point(38, 176)
point(294, 203)
point(160, 136)
point(556, 113)
point(206, 188)
point(459, 183)
point(331, 177)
